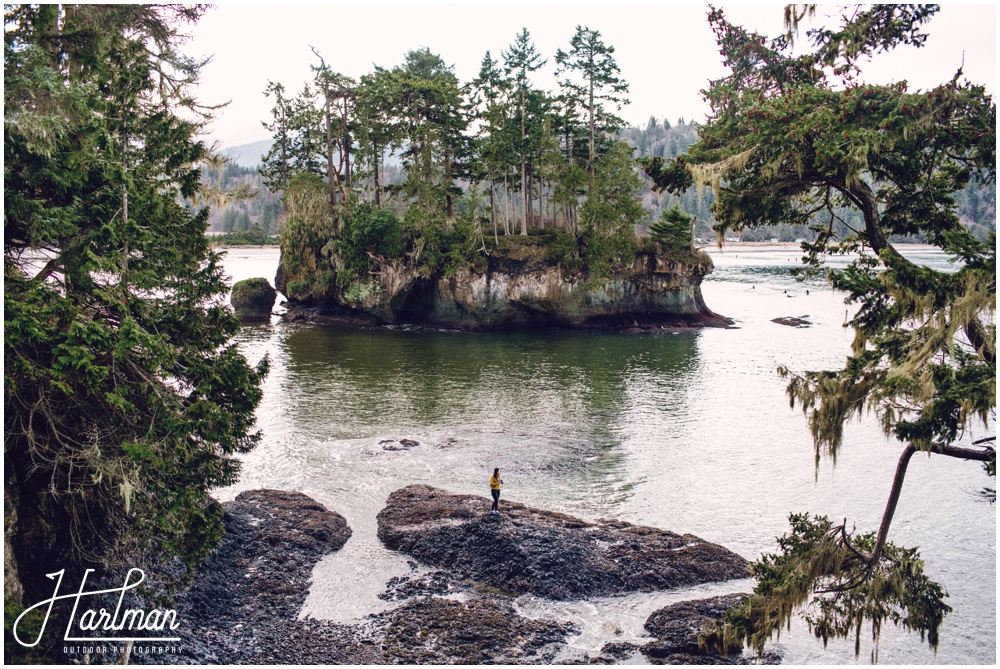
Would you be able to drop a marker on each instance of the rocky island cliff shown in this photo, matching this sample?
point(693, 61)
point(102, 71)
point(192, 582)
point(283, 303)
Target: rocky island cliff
point(515, 286)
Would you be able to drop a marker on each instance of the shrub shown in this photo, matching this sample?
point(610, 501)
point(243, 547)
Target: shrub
point(673, 230)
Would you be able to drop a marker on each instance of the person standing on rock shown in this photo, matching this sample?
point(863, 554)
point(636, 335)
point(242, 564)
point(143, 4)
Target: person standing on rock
point(495, 483)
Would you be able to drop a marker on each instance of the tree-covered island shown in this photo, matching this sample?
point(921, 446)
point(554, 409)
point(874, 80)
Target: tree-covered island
point(515, 206)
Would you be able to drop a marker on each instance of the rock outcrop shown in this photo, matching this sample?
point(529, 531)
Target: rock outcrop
point(513, 292)
point(553, 555)
point(676, 628)
point(483, 631)
point(244, 602)
point(258, 578)
point(253, 300)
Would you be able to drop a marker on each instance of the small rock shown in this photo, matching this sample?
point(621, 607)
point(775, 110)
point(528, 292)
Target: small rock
point(793, 321)
point(253, 299)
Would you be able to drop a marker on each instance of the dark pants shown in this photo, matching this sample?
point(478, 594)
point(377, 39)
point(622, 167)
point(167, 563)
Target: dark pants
point(496, 499)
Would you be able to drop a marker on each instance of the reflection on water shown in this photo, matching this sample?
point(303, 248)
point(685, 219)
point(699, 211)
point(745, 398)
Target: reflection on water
point(690, 432)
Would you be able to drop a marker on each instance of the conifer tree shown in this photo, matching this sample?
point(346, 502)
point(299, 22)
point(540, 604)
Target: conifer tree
point(521, 59)
point(124, 399)
point(784, 144)
point(275, 167)
point(590, 59)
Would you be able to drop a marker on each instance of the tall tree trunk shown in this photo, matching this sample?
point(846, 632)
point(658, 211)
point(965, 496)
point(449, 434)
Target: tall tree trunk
point(524, 198)
point(347, 146)
point(506, 207)
point(541, 201)
point(493, 210)
point(329, 149)
point(447, 182)
point(375, 154)
point(493, 213)
point(590, 159)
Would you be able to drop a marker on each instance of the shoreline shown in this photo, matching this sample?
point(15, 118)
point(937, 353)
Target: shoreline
point(244, 603)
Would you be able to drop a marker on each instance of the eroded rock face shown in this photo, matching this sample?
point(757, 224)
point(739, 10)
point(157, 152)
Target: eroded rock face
point(553, 555)
point(516, 294)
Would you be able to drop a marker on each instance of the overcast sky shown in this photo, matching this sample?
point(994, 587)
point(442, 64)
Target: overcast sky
point(666, 51)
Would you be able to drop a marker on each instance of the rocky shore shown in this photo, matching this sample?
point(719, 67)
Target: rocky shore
point(549, 554)
point(244, 602)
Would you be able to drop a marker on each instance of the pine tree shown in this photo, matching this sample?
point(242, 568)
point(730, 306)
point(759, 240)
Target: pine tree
point(521, 59)
point(276, 165)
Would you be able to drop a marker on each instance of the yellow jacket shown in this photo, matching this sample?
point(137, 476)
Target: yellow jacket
point(494, 483)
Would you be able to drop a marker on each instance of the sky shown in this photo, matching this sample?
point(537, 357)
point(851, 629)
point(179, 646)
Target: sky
point(666, 51)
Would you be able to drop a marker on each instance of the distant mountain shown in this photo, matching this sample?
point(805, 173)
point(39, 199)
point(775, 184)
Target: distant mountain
point(248, 155)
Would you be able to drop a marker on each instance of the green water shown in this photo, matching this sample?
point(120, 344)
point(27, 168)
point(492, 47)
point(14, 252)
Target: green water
point(690, 432)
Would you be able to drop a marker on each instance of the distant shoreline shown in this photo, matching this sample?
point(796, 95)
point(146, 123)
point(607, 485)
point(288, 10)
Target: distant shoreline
point(227, 247)
point(711, 246)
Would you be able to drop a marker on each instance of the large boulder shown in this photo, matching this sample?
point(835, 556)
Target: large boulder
point(553, 555)
point(253, 300)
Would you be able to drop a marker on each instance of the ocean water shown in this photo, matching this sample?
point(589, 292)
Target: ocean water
point(690, 432)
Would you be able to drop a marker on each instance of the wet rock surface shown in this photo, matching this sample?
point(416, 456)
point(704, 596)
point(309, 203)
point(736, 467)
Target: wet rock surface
point(793, 321)
point(441, 631)
point(401, 445)
point(554, 555)
point(252, 587)
point(676, 628)
point(244, 602)
point(405, 587)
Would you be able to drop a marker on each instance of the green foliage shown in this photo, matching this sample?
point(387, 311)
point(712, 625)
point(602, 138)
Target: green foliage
point(593, 63)
point(452, 245)
point(821, 567)
point(299, 288)
point(673, 230)
point(125, 400)
point(309, 239)
point(255, 236)
point(564, 249)
point(368, 233)
point(782, 146)
point(612, 211)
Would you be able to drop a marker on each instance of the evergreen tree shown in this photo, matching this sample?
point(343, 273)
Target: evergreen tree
point(494, 147)
point(520, 60)
point(673, 229)
point(124, 399)
point(376, 129)
point(612, 211)
point(276, 165)
point(784, 144)
point(338, 95)
point(592, 61)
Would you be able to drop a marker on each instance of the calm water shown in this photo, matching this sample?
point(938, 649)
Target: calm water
point(689, 432)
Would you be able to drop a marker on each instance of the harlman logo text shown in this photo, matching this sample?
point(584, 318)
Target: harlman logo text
point(89, 625)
